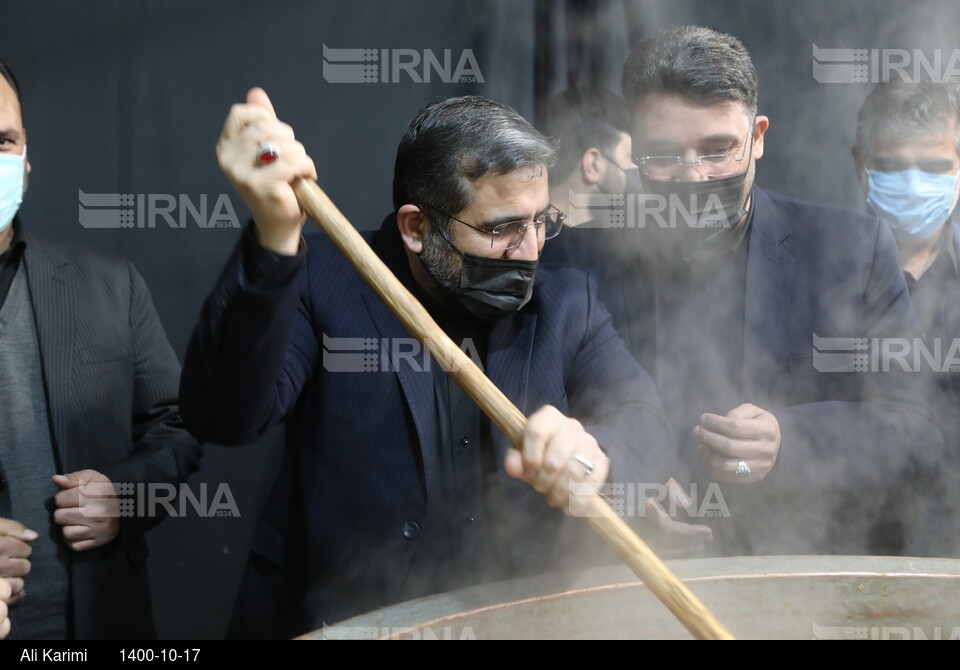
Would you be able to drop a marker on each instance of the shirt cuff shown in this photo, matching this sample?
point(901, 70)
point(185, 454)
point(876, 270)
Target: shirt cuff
point(263, 269)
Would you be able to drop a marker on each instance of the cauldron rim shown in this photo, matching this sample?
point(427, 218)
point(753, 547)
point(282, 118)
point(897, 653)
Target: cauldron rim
point(446, 608)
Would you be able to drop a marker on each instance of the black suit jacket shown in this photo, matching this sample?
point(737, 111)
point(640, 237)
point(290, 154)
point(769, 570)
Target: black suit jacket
point(339, 532)
point(110, 378)
point(849, 439)
point(937, 535)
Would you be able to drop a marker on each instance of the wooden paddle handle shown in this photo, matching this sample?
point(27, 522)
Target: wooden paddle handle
point(630, 548)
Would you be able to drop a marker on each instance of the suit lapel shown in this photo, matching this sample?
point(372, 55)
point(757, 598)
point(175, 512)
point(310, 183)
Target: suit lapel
point(769, 290)
point(956, 238)
point(508, 362)
point(509, 356)
point(417, 384)
point(950, 312)
point(416, 381)
point(53, 295)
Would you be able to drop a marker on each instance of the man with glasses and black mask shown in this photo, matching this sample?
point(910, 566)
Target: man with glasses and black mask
point(394, 486)
point(907, 159)
point(730, 288)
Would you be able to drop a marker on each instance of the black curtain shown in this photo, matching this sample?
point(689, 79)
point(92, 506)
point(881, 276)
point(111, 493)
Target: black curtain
point(579, 43)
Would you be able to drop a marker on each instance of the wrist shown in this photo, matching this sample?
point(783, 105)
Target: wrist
point(283, 242)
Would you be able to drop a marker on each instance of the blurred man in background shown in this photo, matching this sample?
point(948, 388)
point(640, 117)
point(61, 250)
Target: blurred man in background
point(729, 286)
point(592, 132)
point(88, 388)
point(907, 159)
point(594, 170)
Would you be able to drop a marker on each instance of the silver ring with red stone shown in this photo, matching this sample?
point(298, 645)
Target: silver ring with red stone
point(267, 153)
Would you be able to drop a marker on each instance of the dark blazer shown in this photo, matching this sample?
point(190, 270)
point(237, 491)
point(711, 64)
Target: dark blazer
point(849, 439)
point(110, 378)
point(339, 531)
point(937, 535)
point(951, 320)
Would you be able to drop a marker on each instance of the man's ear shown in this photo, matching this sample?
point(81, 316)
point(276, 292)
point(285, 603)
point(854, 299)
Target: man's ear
point(759, 129)
point(413, 225)
point(25, 144)
point(858, 162)
point(590, 166)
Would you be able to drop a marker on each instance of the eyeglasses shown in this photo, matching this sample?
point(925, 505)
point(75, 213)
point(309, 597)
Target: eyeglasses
point(712, 166)
point(509, 235)
point(615, 163)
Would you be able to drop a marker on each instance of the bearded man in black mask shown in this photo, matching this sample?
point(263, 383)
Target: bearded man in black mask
point(394, 485)
point(724, 291)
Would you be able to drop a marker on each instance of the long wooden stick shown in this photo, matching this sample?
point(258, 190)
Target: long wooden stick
point(630, 548)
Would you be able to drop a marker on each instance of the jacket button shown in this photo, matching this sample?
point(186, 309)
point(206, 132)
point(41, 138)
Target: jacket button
point(411, 530)
point(464, 441)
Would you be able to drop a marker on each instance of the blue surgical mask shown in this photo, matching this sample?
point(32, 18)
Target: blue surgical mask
point(11, 186)
point(913, 202)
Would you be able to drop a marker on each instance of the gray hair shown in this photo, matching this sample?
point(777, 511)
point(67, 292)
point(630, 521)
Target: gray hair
point(455, 141)
point(901, 110)
point(700, 64)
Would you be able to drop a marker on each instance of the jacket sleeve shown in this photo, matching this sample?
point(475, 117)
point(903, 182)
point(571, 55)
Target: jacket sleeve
point(253, 349)
point(163, 451)
point(617, 401)
point(890, 434)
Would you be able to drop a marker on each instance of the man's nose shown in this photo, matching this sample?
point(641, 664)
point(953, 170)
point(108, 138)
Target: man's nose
point(529, 247)
point(691, 171)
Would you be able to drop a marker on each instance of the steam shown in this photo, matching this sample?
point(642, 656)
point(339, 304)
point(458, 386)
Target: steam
point(855, 499)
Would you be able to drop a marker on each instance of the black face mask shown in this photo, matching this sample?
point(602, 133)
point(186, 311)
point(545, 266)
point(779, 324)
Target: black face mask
point(699, 217)
point(490, 288)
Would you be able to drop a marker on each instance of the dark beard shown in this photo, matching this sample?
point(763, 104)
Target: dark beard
point(443, 266)
point(441, 263)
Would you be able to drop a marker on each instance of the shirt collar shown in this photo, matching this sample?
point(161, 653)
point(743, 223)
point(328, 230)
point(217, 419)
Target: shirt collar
point(948, 242)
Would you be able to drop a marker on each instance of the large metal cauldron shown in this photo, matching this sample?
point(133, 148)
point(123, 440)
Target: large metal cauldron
point(792, 597)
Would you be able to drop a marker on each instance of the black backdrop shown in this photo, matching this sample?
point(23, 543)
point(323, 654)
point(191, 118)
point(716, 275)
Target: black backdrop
point(128, 97)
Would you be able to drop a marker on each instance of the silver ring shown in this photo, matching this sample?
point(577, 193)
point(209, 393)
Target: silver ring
point(267, 153)
point(743, 470)
point(587, 464)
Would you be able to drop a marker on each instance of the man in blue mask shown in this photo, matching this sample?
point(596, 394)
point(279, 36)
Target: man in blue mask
point(908, 162)
point(907, 158)
point(87, 400)
point(394, 485)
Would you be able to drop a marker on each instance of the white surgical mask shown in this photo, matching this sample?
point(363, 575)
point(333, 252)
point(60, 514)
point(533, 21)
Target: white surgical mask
point(12, 168)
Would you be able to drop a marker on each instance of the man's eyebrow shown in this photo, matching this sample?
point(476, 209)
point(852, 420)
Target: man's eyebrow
point(721, 139)
point(937, 162)
point(887, 161)
point(9, 134)
point(493, 223)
